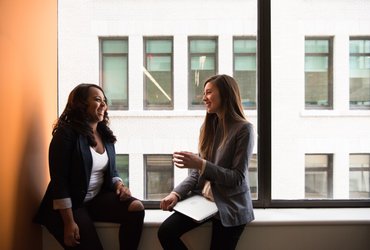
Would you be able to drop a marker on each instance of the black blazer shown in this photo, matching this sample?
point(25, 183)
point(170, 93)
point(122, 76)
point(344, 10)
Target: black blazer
point(70, 164)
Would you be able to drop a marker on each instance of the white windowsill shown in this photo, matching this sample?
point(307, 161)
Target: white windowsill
point(275, 217)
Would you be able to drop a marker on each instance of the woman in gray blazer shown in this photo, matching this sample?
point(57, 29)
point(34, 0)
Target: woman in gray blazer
point(219, 172)
point(85, 185)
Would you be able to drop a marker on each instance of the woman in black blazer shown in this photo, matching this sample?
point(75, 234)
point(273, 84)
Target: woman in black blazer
point(85, 185)
point(219, 172)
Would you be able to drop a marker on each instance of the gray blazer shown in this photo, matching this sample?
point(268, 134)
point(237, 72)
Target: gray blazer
point(227, 172)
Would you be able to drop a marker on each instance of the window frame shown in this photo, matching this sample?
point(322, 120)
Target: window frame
point(264, 116)
point(251, 38)
point(358, 169)
point(145, 82)
point(101, 55)
point(357, 38)
point(330, 56)
point(145, 157)
point(192, 38)
point(329, 173)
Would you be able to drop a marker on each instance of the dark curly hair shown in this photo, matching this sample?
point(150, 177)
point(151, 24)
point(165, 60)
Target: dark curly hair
point(75, 115)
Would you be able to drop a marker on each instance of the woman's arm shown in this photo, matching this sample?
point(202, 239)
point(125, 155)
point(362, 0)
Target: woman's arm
point(71, 230)
point(233, 159)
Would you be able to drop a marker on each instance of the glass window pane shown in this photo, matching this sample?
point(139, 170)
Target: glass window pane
point(245, 46)
point(115, 46)
point(122, 165)
point(202, 46)
point(203, 64)
point(359, 176)
point(253, 176)
point(318, 182)
point(159, 46)
point(318, 88)
point(159, 176)
point(359, 62)
point(115, 81)
point(158, 74)
point(114, 72)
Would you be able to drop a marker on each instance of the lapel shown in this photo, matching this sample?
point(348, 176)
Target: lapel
point(110, 153)
point(86, 156)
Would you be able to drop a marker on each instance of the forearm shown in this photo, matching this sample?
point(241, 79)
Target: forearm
point(67, 216)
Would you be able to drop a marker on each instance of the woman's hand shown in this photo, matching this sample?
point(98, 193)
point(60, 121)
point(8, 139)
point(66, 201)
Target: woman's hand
point(185, 159)
point(168, 202)
point(71, 234)
point(122, 191)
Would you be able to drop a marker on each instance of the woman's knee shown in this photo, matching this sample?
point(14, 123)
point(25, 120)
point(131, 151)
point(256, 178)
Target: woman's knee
point(136, 206)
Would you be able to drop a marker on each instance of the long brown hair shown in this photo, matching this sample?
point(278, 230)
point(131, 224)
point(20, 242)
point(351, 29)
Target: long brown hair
point(75, 115)
point(232, 111)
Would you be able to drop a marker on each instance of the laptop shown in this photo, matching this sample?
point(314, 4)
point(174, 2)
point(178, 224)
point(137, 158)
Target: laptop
point(196, 207)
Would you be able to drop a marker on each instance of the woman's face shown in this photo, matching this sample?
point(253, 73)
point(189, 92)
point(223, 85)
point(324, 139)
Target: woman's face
point(96, 105)
point(212, 98)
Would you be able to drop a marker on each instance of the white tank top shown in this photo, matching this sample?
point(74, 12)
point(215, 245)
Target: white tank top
point(99, 165)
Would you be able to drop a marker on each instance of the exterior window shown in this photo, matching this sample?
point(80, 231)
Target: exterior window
point(158, 73)
point(245, 69)
point(318, 73)
point(114, 71)
point(159, 176)
point(122, 167)
point(359, 169)
point(202, 64)
point(318, 176)
point(253, 176)
point(359, 73)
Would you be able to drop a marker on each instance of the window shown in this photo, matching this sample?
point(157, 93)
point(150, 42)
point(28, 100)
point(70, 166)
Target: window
point(318, 176)
point(359, 169)
point(114, 71)
point(318, 73)
point(159, 176)
point(158, 71)
point(245, 49)
point(123, 168)
point(359, 90)
point(253, 176)
point(303, 73)
point(202, 64)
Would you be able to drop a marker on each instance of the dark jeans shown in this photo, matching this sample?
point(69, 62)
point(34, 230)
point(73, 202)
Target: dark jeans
point(105, 207)
point(223, 238)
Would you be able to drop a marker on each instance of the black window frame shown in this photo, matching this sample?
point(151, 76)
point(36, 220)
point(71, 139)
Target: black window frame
point(264, 117)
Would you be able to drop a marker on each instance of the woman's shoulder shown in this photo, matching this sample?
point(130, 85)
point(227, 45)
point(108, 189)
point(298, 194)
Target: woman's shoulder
point(243, 125)
point(65, 130)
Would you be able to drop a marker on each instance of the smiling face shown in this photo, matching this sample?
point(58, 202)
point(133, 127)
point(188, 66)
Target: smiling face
point(212, 98)
point(96, 105)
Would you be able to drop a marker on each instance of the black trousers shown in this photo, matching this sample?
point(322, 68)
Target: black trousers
point(223, 238)
point(105, 207)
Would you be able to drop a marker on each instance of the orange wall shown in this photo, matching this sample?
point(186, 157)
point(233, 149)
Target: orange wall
point(28, 107)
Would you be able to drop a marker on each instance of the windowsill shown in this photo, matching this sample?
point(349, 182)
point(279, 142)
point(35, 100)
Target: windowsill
point(166, 113)
point(280, 217)
point(335, 113)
